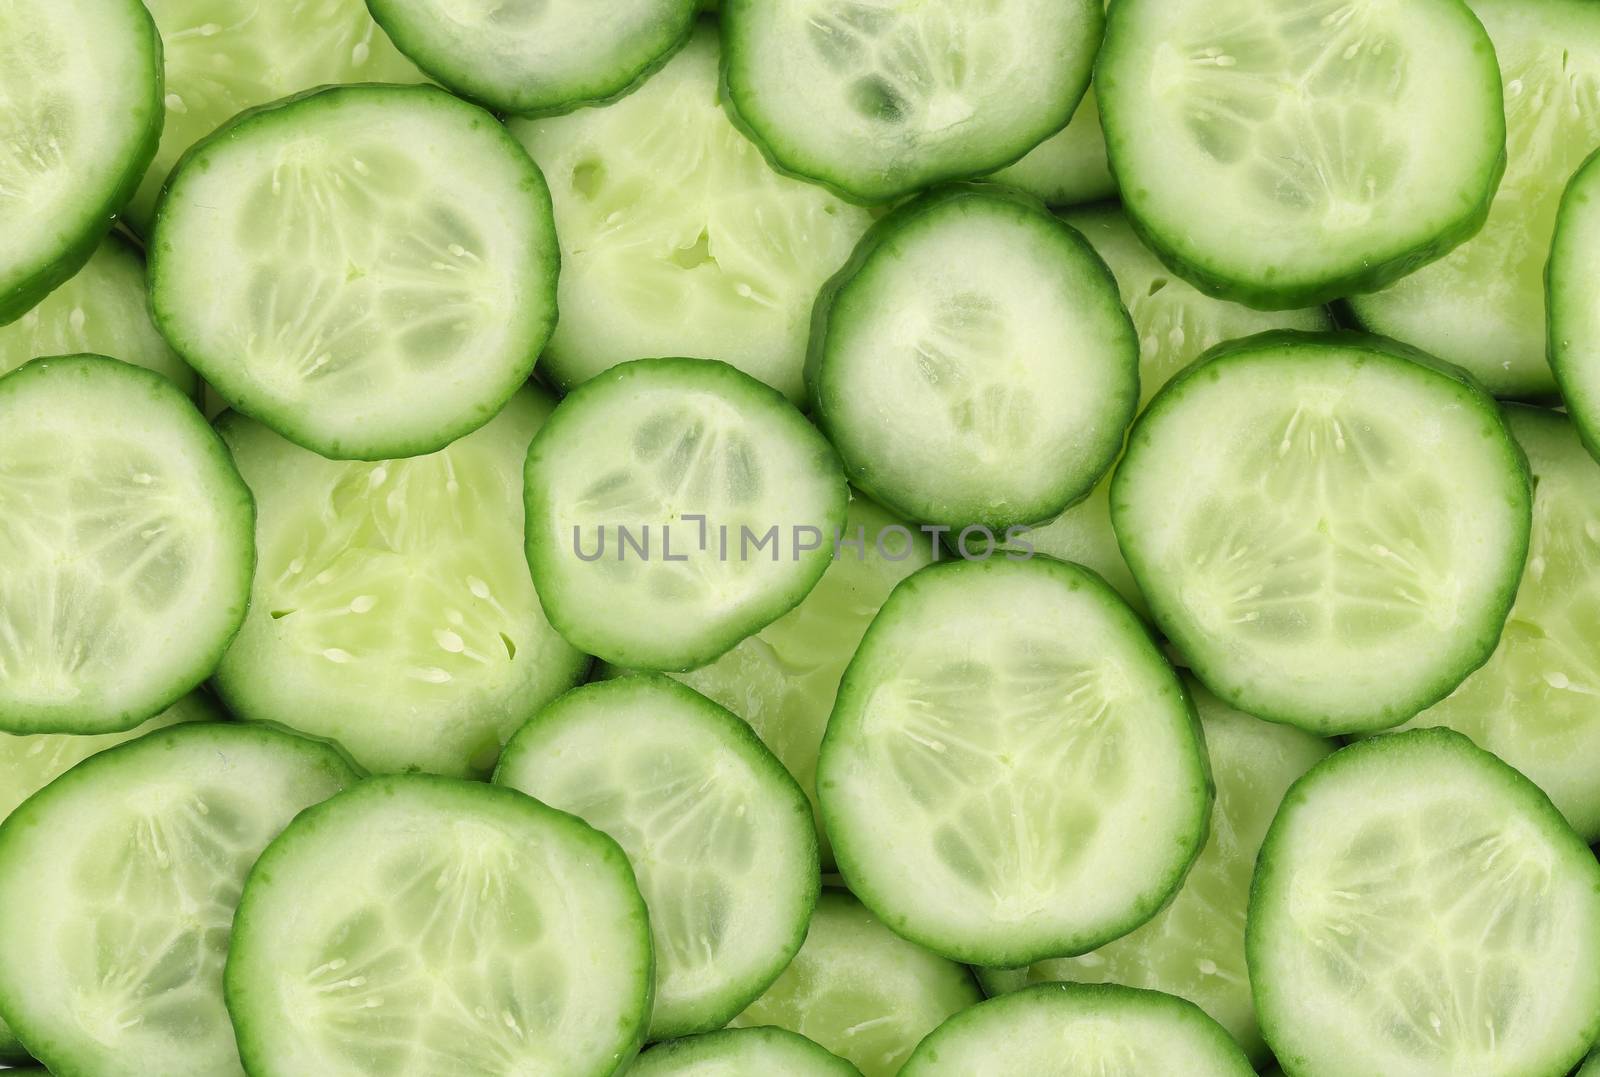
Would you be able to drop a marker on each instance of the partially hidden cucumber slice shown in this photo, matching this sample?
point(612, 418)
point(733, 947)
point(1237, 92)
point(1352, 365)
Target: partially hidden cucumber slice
point(125, 546)
point(1574, 279)
point(860, 990)
point(1077, 1030)
point(1483, 305)
point(1070, 166)
point(718, 833)
point(972, 363)
point(742, 1052)
point(676, 506)
point(392, 609)
point(1012, 771)
point(1342, 548)
point(119, 881)
point(81, 82)
point(1421, 908)
point(419, 926)
point(1283, 153)
point(1194, 947)
point(677, 237)
point(369, 270)
point(1591, 1067)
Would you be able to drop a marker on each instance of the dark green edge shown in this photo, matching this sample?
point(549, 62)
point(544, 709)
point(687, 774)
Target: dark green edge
point(1366, 275)
point(1433, 739)
point(918, 213)
point(755, 399)
point(236, 502)
point(746, 119)
point(1194, 647)
point(49, 1050)
point(130, 255)
point(858, 679)
point(1585, 411)
point(734, 731)
point(33, 285)
point(255, 1051)
point(222, 376)
point(979, 1019)
point(678, 1056)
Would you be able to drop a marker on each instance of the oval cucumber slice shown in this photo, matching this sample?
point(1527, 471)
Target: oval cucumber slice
point(392, 610)
point(1012, 771)
point(1282, 153)
point(719, 834)
point(1069, 167)
point(1421, 908)
point(1574, 273)
point(742, 1052)
point(418, 926)
point(1342, 549)
point(369, 270)
point(119, 881)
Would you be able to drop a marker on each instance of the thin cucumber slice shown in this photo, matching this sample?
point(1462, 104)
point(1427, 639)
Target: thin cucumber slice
point(1342, 549)
point(1483, 305)
point(1012, 771)
point(529, 56)
point(1069, 167)
point(392, 609)
point(1282, 153)
point(1574, 279)
point(1194, 948)
point(676, 506)
point(125, 546)
point(742, 1052)
point(1421, 908)
point(1077, 1030)
point(860, 990)
point(119, 881)
point(369, 270)
point(972, 362)
point(81, 82)
point(879, 100)
point(102, 310)
point(677, 237)
point(419, 926)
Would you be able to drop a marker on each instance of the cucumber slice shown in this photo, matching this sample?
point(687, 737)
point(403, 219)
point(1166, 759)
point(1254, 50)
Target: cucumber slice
point(102, 310)
point(81, 82)
point(1283, 153)
point(1341, 551)
point(719, 834)
point(392, 610)
point(1070, 166)
point(418, 926)
point(1075, 1030)
point(694, 464)
point(527, 56)
point(1483, 305)
point(1012, 771)
point(972, 363)
point(125, 546)
point(1591, 1067)
point(1421, 908)
point(742, 1052)
point(1194, 948)
point(119, 881)
point(369, 270)
point(1574, 275)
point(860, 990)
point(879, 100)
point(677, 237)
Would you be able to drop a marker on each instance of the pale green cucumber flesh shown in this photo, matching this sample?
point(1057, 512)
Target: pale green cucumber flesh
point(1069, 167)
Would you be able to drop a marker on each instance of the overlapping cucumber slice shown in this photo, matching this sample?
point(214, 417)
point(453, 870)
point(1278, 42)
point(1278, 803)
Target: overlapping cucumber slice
point(1070, 166)
point(1574, 316)
point(736, 1051)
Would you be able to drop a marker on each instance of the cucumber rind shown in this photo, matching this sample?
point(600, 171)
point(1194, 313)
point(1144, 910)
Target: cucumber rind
point(1568, 285)
point(761, 1049)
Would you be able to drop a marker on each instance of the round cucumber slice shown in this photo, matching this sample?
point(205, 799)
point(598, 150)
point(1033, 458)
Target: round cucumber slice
point(1341, 549)
point(369, 270)
point(1283, 153)
point(742, 1052)
point(1070, 166)
point(860, 990)
point(676, 506)
point(1076, 1030)
point(677, 237)
point(1483, 305)
point(973, 364)
point(719, 834)
point(392, 609)
point(1574, 277)
point(1194, 947)
point(119, 881)
point(1012, 771)
point(418, 926)
point(880, 100)
point(1421, 908)
point(125, 546)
